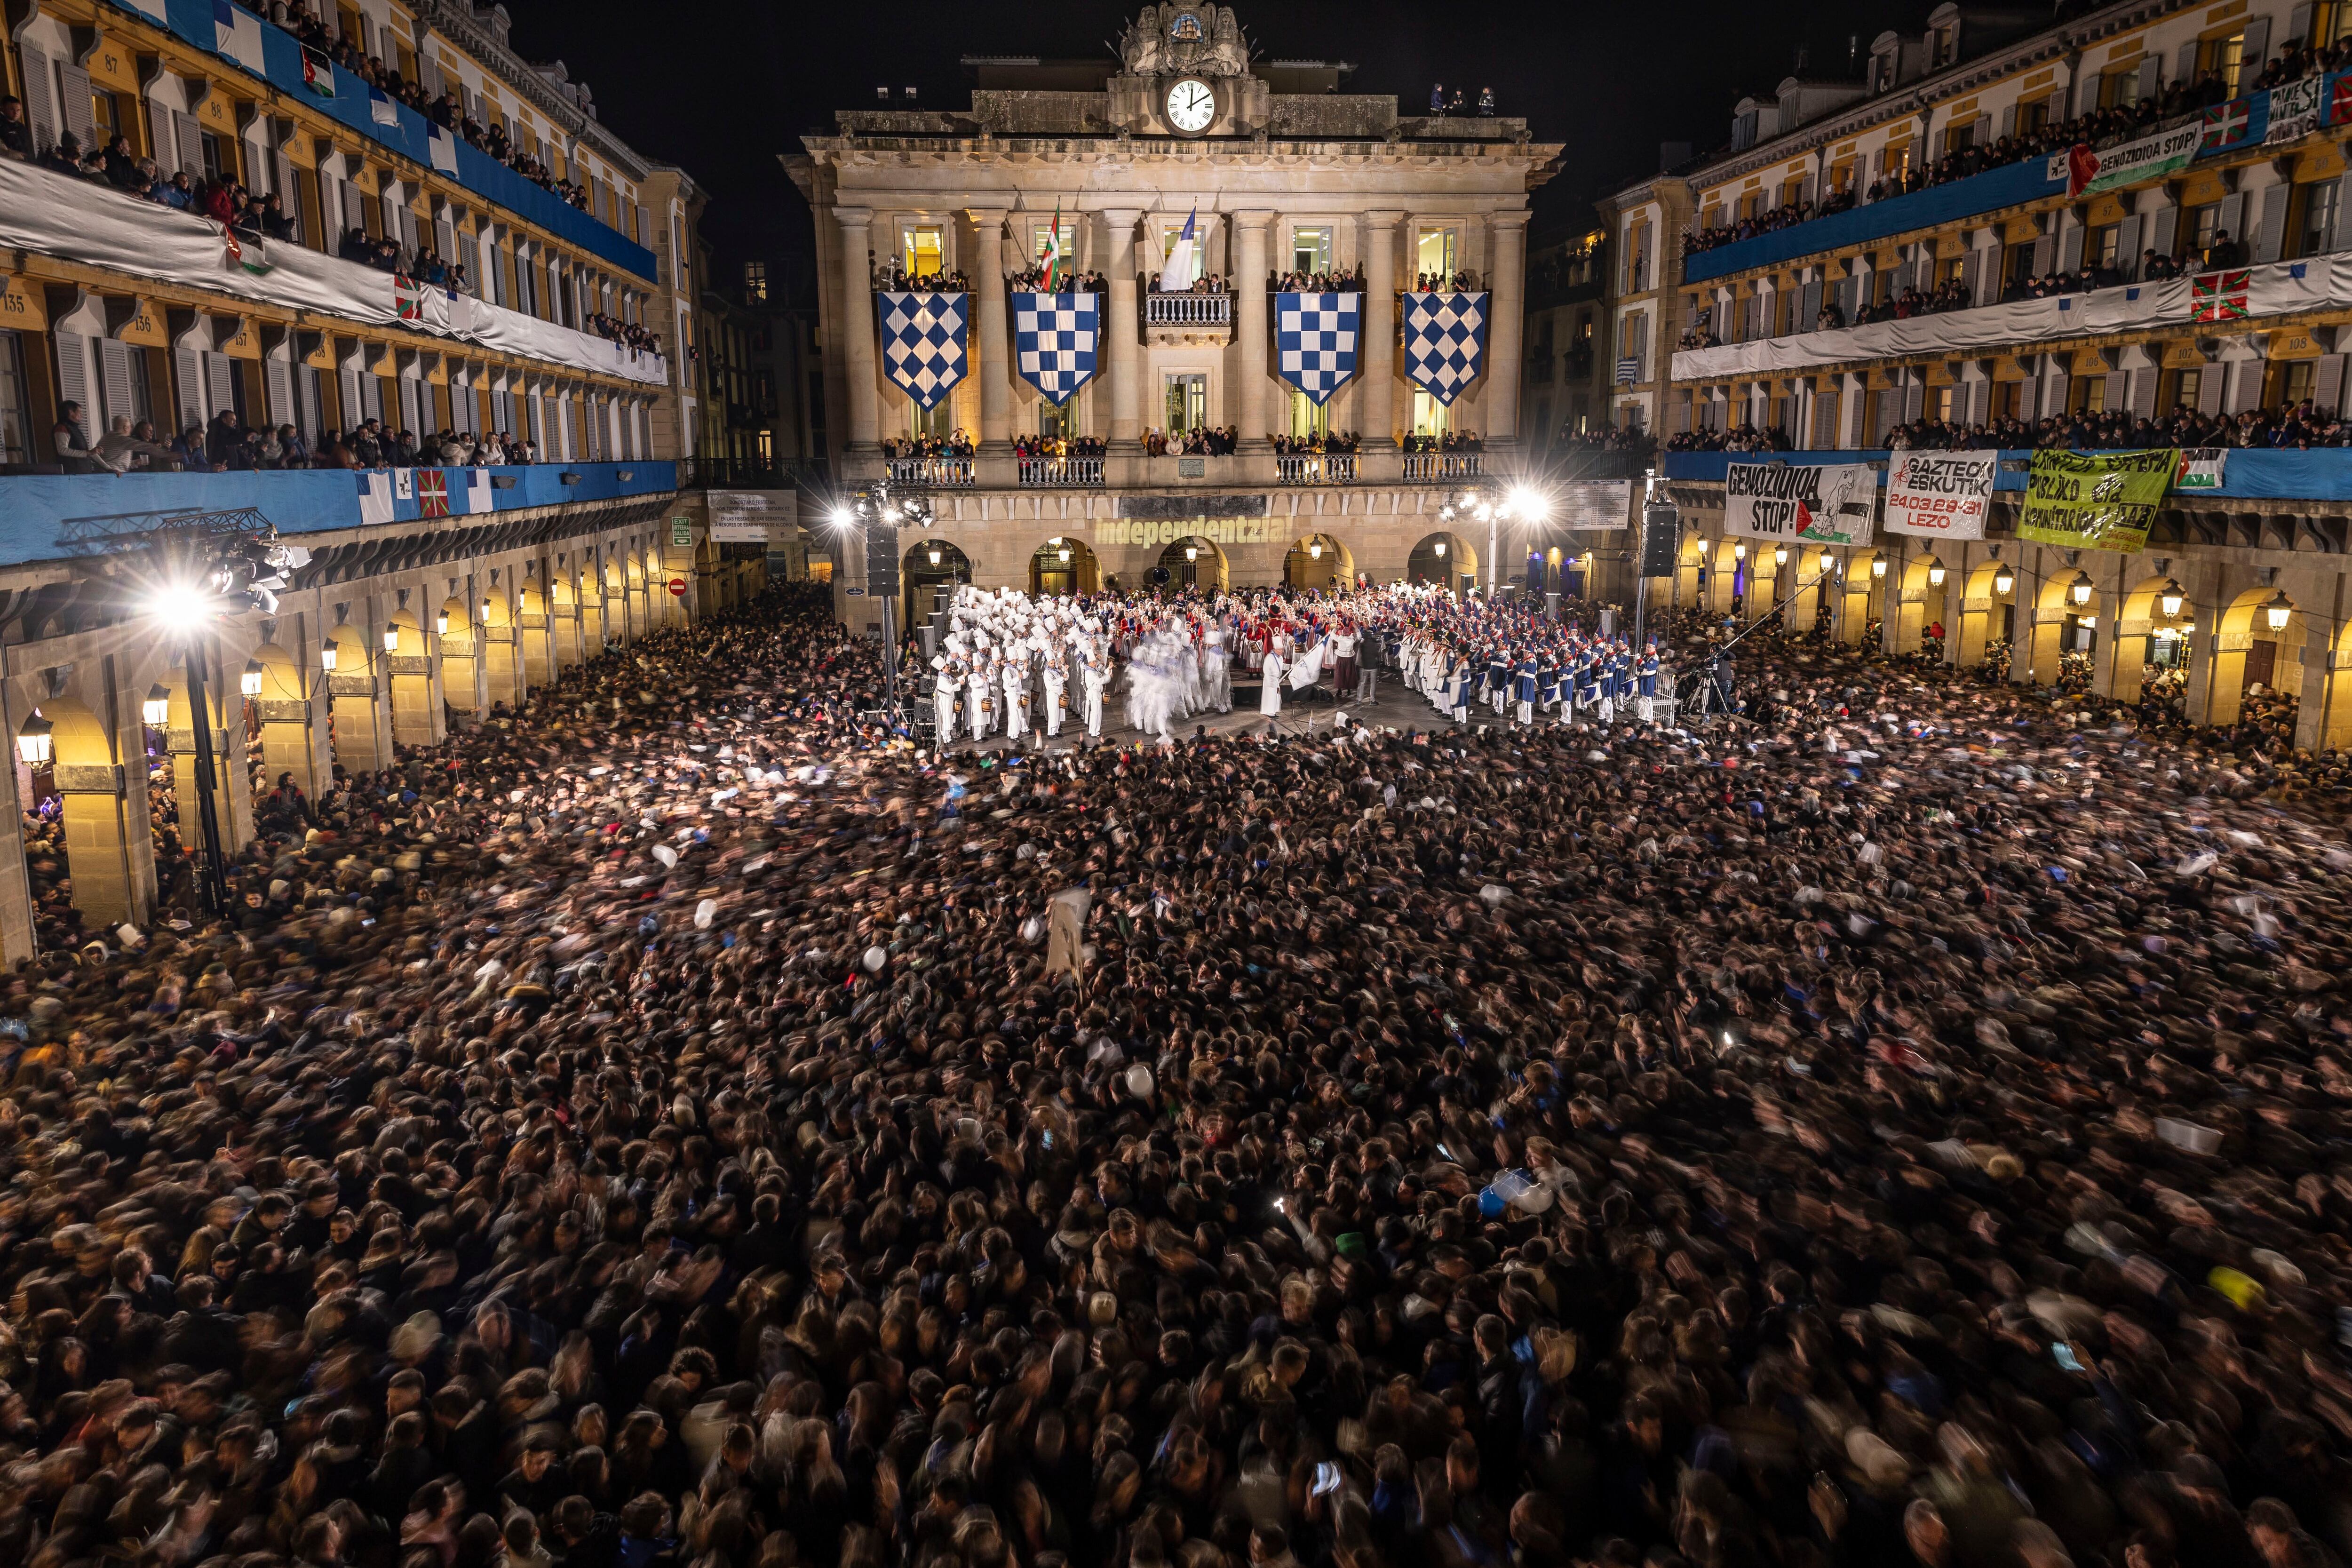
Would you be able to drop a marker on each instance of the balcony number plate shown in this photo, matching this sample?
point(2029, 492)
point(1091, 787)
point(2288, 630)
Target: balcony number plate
point(1192, 468)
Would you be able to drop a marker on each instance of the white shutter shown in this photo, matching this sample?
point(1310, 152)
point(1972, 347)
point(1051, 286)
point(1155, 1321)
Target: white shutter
point(289, 191)
point(75, 109)
point(219, 382)
point(2143, 394)
point(2070, 248)
point(2127, 248)
point(2233, 218)
point(306, 401)
point(41, 99)
point(2185, 71)
point(2167, 224)
point(2009, 121)
point(2208, 388)
point(2339, 235)
point(279, 391)
point(371, 397)
point(2255, 53)
point(1971, 264)
point(2044, 252)
point(188, 389)
point(114, 376)
point(73, 381)
point(2327, 390)
point(348, 379)
point(2270, 233)
point(2150, 78)
point(191, 144)
point(354, 216)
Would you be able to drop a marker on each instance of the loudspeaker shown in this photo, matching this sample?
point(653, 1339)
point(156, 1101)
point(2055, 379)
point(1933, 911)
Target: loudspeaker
point(1662, 532)
point(882, 560)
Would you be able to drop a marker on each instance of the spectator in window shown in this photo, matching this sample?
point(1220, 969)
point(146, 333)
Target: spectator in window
point(67, 156)
point(223, 437)
point(2224, 251)
point(296, 449)
point(276, 223)
point(65, 438)
point(177, 192)
point(121, 166)
point(121, 449)
point(16, 133)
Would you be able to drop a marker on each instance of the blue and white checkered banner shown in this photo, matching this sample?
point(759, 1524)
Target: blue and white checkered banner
point(1445, 342)
point(1315, 341)
point(923, 349)
point(1054, 342)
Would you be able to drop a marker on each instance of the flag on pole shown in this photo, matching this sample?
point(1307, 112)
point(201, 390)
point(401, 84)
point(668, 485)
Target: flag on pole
point(381, 108)
point(318, 72)
point(236, 32)
point(1176, 276)
point(1053, 257)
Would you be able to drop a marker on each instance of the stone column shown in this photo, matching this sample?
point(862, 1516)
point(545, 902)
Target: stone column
point(1380, 330)
point(858, 325)
point(1507, 271)
point(1249, 286)
point(995, 341)
point(1124, 336)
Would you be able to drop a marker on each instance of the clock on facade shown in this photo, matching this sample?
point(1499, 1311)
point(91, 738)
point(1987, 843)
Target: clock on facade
point(1191, 105)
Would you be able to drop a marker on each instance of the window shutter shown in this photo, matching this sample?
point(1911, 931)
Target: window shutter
point(2114, 397)
point(114, 372)
point(2150, 76)
point(306, 401)
point(353, 208)
point(73, 89)
point(370, 395)
point(188, 388)
point(2167, 223)
point(2143, 394)
point(2127, 248)
point(2070, 247)
point(347, 383)
point(1971, 266)
point(2339, 233)
point(2232, 219)
point(190, 142)
point(2272, 231)
point(41, 100)
point(2044, 252)
point(278, 391)
point(2009, 121)
point(289, 190)
point(219, 387)
point(73, 382)
point(2186, 70)
point(2208, 388)
point(2254, 54)
point(2327, 384)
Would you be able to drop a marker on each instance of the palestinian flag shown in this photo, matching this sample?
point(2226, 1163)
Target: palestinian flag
point(2219, 296)
point(318, 72)
point(409, 297)
point(248, 254)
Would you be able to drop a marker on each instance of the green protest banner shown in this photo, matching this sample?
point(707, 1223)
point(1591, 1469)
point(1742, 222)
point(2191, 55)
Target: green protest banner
point(2095, 500)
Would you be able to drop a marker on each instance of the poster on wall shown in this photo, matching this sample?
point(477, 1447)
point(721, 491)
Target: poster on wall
point(2095, 500)
point(739, 517)
point(1940, 495)
point(1830, 504)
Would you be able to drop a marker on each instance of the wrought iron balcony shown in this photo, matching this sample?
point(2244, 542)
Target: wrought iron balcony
point(1188, 310)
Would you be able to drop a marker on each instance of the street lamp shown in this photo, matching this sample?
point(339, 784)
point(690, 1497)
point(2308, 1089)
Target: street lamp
point(392, 639)
point(2171, 598)
point(441, 624)
point(1779, 555)
point(1065, 554)
point(1192, 553)
point(1878, 566)
point(327, 658)
point(2279, 611)
point(2079, 590)
point(34, 743)
point(1739, 550)
point(1935, 573)
point(2003, 580)
point(248, 681)
point(157, 708)
point(1315, 550)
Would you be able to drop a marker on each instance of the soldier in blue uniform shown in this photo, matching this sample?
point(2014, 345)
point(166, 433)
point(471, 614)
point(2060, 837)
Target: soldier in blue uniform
point(1547, 677)
point(1499, 675)
point(1526, 681)
point(1646, 674)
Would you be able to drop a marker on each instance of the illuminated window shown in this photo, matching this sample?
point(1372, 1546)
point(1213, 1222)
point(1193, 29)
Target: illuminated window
point(755, 281)
point(1042, 236)
point(923, 252)
point(1187, 402)
point(936, 420)
point(1308, 417)
point(2224, 57)
point(1430, 418)
point(1311, 249)
point(1433, 250)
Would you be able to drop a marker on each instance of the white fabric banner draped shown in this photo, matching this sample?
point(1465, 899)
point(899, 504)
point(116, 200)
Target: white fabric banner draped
point(2279, 289)
point(51, 213)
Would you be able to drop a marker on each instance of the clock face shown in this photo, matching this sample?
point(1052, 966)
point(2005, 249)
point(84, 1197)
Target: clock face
point(1191, 105)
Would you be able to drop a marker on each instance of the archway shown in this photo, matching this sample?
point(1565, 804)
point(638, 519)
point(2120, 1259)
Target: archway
point(1193, 562)
point(1924, 618)
point(2250, 655)
point(1318, 562)
point(497, 650)
point(77, 845)
point(591, 609)
point(416, 716)
point(1988, 616)
point(460, 657)
point(1812, 594)
point(562, 624)
point(2150, 651)
point(1062, 567)
point(283, 708)
point(354, 716)
point(1444, 560)
point(930, 565)
point(538, 643)
point(2065, 632)
point(1691, 571)
point(1862, 595)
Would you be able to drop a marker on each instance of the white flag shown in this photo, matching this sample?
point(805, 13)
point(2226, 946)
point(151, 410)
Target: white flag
point(1177, 276)
point(236, 32)
point(442, 148)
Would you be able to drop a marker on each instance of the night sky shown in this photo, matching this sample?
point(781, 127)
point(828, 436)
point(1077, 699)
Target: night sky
point(722, 88)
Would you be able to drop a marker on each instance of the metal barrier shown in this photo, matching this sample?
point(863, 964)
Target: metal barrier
point(1311, 469)
point(931, 473)
point(1062, 473)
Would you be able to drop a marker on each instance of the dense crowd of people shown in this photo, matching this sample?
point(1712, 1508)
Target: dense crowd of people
point(1447, 441)
point(898, 280)
point(958, 443)
point(227, 443)
point(1316, 443)
point(1741, 438)
point(1894, 1126)
point(628, 334)
point(1035, 279)
point(1041, 449)
point(1334, 280)
point(1207, 283)
point(1201, 441)
point(2298, 425)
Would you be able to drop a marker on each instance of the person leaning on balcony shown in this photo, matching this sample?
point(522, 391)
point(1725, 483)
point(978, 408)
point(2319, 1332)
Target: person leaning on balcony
point(122, 449)
point(176, 191)
point(16, 132)
point(72, 447)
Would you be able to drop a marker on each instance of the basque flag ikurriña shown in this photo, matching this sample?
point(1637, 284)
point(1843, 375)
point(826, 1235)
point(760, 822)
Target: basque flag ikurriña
point(2219, 296)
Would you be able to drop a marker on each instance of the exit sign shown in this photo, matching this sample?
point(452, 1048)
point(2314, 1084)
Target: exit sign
point(681, 532)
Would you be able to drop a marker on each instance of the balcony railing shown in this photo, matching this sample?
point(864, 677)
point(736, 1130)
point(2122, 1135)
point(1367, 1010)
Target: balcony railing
point(1442, 465)
point(931, 473)
point(1188, 310)
point(1330, 468)
point(1062, 473)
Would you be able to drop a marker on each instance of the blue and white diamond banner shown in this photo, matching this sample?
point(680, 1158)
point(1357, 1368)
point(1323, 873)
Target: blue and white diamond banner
point(1054, 342)
point(1315, 341)
point(1444, 341)
point(923, 342)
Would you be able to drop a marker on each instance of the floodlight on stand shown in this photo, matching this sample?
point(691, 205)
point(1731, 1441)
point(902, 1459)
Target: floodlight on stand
point(2171, 598)
point(2279, 611)
point(156, 709)
point(2080, 589)
point(34, 743)
point(248, 682)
